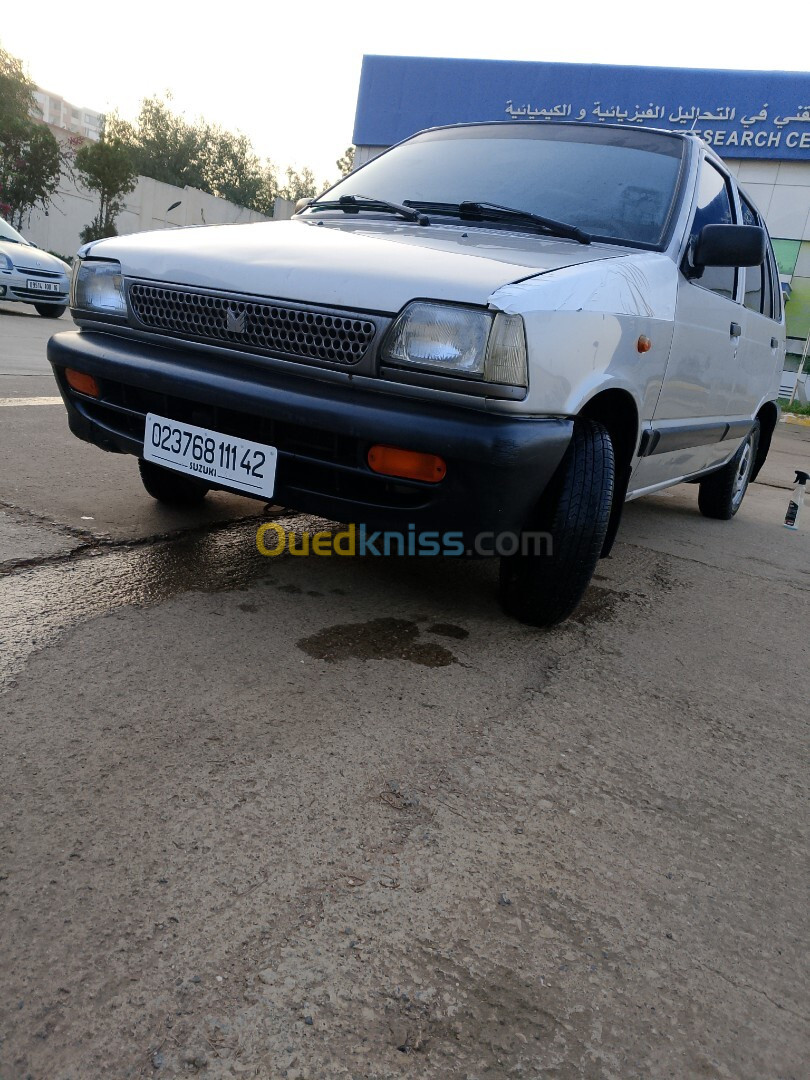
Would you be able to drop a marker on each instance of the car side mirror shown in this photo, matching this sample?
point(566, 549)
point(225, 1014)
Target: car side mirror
point(729, 245)
point(302, 204)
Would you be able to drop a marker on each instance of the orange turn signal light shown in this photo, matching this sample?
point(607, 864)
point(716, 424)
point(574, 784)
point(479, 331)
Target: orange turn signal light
point(643, 344)
point(85, 384)
point(408, 464)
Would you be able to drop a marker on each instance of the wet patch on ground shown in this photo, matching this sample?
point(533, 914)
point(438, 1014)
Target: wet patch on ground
point(38, 604)
point(377, 639)
point(449, 630)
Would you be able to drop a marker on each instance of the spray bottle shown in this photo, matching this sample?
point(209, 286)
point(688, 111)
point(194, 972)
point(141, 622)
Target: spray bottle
point(795, 504)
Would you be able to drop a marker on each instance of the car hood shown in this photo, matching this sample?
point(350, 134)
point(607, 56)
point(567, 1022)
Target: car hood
point(26, 257)
point(371, 266)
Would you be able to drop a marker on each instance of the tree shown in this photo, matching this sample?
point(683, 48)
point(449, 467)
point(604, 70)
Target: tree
point(16, 92)
point(164, 145)
point(31, 159)
point(106, 167)
point(299, 185)
point(35, 165)
point(170, 148)
point(231, 169)
point(197, 154)
point(167, 147)
point(268, 193)
point(346, 163)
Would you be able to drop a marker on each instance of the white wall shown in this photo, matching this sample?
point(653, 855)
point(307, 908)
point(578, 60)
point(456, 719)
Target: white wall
point(781, 190)
point(283, 209)
point(58, 228)
point(364, 154)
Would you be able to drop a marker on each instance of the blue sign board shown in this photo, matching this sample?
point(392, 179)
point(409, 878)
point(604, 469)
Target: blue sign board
point(742, 114)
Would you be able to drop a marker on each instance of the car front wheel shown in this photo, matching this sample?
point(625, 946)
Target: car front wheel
point(169, 487)
point(721, 494)
point(50, 311)
point(542, 587)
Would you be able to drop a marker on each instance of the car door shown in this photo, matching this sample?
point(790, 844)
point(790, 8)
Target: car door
point(759, 363)
point(689, 421)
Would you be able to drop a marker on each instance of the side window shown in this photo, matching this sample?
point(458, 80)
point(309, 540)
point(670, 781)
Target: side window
point(713, 208)
point(776, 284)
point(758, 296)
point(768, 286)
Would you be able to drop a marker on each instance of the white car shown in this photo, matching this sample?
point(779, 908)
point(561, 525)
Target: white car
point(31, 276)
point(485, 340)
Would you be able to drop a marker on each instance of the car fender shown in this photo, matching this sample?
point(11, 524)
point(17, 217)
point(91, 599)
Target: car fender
point(584, 330)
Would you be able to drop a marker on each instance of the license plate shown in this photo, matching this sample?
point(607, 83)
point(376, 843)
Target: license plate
point(209, 455)
point(42, 286)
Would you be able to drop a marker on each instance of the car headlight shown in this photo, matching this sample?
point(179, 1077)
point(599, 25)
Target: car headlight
point(5, 262)
point(98, 286)
point(451, 340)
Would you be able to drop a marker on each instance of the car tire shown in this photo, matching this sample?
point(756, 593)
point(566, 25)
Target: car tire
point(543, 588)
point(50, 311)
point(721, 494)
point(169, 487)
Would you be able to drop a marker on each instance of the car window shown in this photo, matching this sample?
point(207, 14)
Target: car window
point(758, 295)
point(769, 294)
point(7, 233)
point(714, 207)
point(776, 284)
point(616, 185)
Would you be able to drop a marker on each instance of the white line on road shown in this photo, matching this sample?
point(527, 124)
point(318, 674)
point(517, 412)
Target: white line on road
point(29, 401)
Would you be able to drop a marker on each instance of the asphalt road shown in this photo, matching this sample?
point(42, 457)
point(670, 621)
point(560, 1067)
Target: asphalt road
point(334, 817)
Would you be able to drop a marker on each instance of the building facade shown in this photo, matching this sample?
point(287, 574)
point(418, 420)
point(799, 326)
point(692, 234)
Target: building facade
point(57, 112)
point(757, 121)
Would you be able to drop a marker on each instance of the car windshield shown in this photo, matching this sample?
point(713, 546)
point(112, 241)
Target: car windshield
point(616, 184)
point(7, 233)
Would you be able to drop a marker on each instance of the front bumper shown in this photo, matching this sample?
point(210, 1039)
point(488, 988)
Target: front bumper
point(14, 285)
point(497, 466)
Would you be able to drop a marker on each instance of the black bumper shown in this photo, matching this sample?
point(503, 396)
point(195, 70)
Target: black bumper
point(497, 466)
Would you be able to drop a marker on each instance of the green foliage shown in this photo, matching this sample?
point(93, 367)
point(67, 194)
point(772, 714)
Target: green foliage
point(169, 148)
point(163, 145)
point(31, 159)
point(106, 167)
point(299, 185)
point(798, 408)
point(16, 93)
point(232, 170)
point(346, 162)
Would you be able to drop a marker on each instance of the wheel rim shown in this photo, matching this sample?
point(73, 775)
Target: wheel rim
point(743, 472)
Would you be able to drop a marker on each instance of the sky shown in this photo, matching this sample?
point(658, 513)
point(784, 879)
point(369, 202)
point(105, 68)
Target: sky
point(289, 81)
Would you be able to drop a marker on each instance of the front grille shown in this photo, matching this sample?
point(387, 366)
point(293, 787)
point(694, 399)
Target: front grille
point(37, 294)
point(33, 272)
point(259, 326)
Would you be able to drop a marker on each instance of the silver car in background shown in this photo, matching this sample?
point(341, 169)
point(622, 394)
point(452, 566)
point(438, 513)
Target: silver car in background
point(31, 276)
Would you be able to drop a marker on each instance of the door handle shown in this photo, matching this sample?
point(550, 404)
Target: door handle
point(735, 329)
point(774, 343)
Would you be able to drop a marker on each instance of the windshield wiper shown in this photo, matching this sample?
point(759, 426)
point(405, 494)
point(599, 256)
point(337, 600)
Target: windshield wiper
point(9, 239)
point(352, 204)
point(486, 211)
